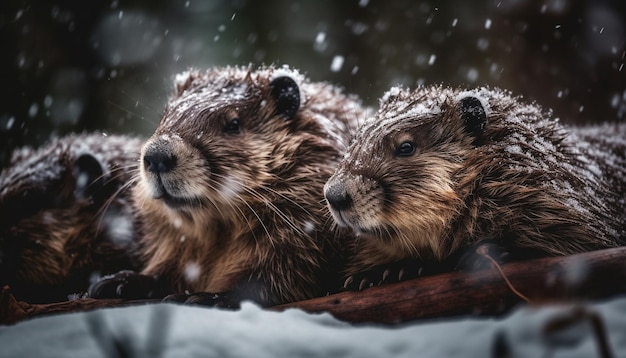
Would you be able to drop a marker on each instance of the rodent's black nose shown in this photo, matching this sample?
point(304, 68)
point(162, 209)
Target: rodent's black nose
point(158, 161)
point(338, 197)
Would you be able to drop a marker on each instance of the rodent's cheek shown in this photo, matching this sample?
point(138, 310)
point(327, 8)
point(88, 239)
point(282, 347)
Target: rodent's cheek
point(230, 187)
point(190, 179)
point(422, 209)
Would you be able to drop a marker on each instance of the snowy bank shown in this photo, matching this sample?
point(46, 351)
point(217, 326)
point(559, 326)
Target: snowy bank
point(182, 331)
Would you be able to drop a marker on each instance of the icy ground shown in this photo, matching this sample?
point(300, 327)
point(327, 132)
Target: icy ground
point(165, 330)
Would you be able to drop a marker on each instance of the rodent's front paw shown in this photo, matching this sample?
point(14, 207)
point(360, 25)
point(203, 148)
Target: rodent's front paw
point(221, 300)
point(388, 273)
point(125, 284)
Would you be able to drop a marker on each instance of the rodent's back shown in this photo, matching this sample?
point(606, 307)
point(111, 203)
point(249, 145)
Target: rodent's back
point(607, 148)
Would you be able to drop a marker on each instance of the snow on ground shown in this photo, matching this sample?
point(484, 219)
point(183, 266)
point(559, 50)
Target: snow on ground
point(166, 330)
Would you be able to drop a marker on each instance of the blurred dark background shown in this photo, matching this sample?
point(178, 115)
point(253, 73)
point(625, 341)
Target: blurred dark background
point(107, 65)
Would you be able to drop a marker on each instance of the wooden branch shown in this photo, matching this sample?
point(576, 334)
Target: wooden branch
point(13, 311)
point(578, 277)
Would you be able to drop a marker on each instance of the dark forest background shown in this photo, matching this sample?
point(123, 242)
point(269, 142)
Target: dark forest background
point(107, 65)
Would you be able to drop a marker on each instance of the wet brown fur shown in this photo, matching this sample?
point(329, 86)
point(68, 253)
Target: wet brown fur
point(526, 181)
point(252, 211)
point(55, 235)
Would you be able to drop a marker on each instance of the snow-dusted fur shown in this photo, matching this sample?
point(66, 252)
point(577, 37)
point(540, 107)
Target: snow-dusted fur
point(65, 215)
point(519, 178)
point(239, 203)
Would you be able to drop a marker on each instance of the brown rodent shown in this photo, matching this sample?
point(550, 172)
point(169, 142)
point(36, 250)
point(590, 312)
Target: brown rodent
point(230, 193)
point(438, 170)
point(66, 215)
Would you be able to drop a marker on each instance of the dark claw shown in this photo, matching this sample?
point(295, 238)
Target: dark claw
point(401, 274)
point(348, 282)
point(386, 275)
point(365, 283)
point(393, 272)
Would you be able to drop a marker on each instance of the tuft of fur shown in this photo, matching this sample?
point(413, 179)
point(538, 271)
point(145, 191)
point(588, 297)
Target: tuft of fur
point(66, 215)
point(230, 192)
point(503, 170)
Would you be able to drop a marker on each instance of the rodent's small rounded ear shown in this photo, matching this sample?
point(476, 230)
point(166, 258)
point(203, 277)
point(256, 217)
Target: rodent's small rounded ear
point(473, 114)
point(89, 176)
point(286, 96)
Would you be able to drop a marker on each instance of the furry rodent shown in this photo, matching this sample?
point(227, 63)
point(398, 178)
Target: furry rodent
point(66, 215)
point(437, 170)
point(230, 192)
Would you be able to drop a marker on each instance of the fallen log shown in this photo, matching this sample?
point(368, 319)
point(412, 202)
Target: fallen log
point(580, 277)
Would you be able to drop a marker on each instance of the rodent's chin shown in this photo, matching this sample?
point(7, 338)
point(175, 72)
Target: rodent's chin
point(345, 220)
point(159, 193)
point(157, 189)
point(179, 202)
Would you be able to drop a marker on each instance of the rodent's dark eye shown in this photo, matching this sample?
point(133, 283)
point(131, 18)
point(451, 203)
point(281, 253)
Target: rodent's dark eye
point(233, 126)
point(405, 149)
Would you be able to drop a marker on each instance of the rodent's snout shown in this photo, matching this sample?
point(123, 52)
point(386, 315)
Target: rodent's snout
point(170, 172)
point(355, 202)
point(158, 159)
point(338, 197)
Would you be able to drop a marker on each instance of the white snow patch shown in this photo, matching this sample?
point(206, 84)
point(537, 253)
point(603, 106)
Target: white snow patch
point(472, 74)
point(320, 37)
point(192, 271)
point(482, 44)
point(230, 188)
point(33, 110)
point(432, 59)
point(337, 63)
point(392, 92)
point(287, 72)
point(480, 94)
point(82, 181)
point(308, 227)
point(177, 222)
point(514, 149)
point(10, 122)
point(182, 78)
point(119, 227)
point(47, 101)
point(320, 44)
